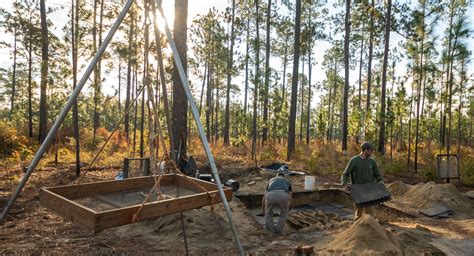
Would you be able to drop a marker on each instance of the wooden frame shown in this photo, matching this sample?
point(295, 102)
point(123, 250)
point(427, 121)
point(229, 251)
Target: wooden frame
point(61, 200)
point(448, 173)
point(145, 166)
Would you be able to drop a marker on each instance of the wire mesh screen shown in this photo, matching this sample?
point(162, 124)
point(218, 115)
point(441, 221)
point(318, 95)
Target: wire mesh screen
point(110, 201)
point(135, 169)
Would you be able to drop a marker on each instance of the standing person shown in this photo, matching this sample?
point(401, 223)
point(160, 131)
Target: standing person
point(278, 195)
point(361, 169)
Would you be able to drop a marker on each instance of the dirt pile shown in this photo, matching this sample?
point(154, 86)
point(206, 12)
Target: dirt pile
point(200, 225)
point(206, 231)
point(397, 188)
point(315, 219)
point(424, 195)
point(365, 237)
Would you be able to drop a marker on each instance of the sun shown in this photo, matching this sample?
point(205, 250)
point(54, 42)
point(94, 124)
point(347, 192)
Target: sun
point(168, 10)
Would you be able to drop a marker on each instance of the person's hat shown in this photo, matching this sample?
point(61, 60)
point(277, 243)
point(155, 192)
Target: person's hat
point(366, 145)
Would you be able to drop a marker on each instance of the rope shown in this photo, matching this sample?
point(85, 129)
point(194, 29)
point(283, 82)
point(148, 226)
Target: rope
point(110, 136)
point(170, 166)
point(156, 187)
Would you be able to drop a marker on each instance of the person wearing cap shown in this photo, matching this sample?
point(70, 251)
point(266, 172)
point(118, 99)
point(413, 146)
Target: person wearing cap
point(361, 169)
point(278, 194)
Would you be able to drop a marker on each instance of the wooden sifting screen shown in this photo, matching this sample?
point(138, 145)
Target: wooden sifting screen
point(107, 204)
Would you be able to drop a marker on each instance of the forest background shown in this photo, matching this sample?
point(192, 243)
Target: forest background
point(398, 74)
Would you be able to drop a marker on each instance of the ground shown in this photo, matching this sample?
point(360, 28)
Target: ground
point(33, 229)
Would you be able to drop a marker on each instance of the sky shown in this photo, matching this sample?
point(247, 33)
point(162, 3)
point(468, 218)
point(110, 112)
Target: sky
point(196, 7)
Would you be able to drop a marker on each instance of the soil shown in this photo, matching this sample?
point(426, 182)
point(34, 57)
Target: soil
point(424, 195)
point(33, 229)
point(368, 237)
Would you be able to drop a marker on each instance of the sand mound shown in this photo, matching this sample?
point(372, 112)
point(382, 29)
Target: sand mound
point(397, 188)
point(167, 230)
point(366, 236)
point(423, 195)
point(206, 230)
point(316, 219)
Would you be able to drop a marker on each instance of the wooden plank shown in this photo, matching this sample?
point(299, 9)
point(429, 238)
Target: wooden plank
point(59, 199)
point(123, 216)
point(102, 187)
point(68, 209)
point(190, 183)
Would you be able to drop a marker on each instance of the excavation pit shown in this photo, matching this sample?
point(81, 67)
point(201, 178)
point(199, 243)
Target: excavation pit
point(319, 208)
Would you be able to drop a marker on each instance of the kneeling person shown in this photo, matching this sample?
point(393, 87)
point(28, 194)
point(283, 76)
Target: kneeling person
point(278, 195)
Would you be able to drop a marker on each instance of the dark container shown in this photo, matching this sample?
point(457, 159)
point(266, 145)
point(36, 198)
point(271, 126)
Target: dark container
point(233, 184)
point(206, 177)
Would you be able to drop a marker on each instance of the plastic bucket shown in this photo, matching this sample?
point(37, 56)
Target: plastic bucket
point(309, 182)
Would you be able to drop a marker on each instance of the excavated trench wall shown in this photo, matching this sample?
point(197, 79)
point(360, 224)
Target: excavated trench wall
point(338, 196)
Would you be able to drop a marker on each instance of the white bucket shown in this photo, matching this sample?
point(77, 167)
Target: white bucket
point(309, 182)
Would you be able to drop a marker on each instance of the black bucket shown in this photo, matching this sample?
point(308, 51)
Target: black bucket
point(233, 184)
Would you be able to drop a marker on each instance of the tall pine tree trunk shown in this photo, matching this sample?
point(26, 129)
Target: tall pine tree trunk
point(369, 69)
point(144, 82)
point(418, 100)
point(257, 79)
point(229, 78)
point(267, 75)
point(359, 102)
point(95, 117)
point(441, 106)
point(163, 81)
point(180, 103)
point(285, 62)
point(99, 68)
point(119, 87)
point(333, 106)
point(294, 85)
point(461, 83)
point(212, 106)
point(43, 123)
point(302, 99)
point(392, 120)
point(345, 107)
point(328, 135)
point(247, 50)
point(448, 78)
point(409, 120)
point(204, 78)
point(388, 17)
point(12, 101)
point(217, 115)
point(450, 93)
point(129, 75)
point(30, 89)
point(308, 114)
point(74, 44)
point(208, 103)
point(135, 96)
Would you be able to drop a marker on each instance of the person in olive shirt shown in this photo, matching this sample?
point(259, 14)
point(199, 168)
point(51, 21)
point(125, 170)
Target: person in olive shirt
point(361, 169)
point(278, 195)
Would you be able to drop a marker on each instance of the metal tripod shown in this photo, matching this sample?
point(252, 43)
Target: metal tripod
point(51, 134)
